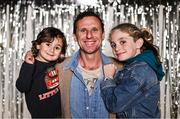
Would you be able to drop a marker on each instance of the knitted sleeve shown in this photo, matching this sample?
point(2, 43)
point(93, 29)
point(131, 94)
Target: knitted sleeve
point(23, 83)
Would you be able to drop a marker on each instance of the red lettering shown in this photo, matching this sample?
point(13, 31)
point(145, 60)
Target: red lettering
point(48, 94)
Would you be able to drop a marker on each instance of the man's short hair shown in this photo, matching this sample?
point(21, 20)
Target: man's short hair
point(87, 13)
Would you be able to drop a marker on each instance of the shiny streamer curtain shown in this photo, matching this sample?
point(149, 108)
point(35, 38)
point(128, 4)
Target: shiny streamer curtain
point(20, 24)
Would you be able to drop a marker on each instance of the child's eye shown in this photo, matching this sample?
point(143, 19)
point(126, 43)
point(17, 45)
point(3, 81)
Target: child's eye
point(48, 44)
point(122, 42)
point(113, 45)
point(58, 48)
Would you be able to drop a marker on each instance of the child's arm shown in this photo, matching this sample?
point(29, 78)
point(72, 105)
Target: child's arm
point(23, 83)
point(29, 58)
point(132, 89)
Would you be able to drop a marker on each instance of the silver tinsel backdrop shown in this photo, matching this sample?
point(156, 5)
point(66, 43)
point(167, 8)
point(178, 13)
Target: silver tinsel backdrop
point(21, 22)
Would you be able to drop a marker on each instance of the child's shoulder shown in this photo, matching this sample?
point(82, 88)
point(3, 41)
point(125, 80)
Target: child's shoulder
point(138, 65)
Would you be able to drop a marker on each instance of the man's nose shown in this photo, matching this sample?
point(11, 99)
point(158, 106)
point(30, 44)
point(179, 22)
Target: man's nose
point(89, 34)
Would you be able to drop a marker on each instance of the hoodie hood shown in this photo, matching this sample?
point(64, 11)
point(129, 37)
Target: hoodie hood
point(148, 57)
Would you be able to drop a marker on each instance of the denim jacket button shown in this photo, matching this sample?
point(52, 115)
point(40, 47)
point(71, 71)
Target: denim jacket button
point(87, 108)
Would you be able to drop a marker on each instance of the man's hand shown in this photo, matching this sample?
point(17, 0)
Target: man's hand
point(29, 58)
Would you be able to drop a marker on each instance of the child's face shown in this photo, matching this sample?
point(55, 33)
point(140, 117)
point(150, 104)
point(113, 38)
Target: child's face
point(123, 45)
point(49, 51)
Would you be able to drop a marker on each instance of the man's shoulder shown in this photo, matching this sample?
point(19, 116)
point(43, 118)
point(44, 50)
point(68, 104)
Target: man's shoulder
point(60, 65)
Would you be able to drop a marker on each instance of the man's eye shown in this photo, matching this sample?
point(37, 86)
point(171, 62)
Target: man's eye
point(83, 30)
point(94, 29)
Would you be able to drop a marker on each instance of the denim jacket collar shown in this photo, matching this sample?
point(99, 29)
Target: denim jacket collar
point(73, 63)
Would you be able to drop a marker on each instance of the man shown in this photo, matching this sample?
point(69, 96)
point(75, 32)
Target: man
point(80, 75)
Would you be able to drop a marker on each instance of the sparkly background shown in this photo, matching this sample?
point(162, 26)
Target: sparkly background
point(21, 21)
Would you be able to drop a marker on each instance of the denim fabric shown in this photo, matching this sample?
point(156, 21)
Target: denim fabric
point(134, 93)
point(81, 104)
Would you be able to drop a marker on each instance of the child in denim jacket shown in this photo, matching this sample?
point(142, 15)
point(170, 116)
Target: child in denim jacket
point(135, 90)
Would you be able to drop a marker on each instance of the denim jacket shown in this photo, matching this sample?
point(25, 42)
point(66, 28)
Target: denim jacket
point(134, 93)
point(81, 105)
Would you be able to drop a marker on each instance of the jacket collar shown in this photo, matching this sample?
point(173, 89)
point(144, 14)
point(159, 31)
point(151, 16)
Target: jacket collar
point(73, 62)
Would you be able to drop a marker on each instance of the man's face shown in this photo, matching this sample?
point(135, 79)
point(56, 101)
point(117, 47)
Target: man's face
point(89, 34)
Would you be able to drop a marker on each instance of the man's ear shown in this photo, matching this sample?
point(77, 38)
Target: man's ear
point(139, 43)
point(103, 36)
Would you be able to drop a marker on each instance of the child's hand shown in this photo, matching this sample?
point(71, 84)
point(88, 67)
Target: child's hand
point(109, 70)
point(29, 58)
